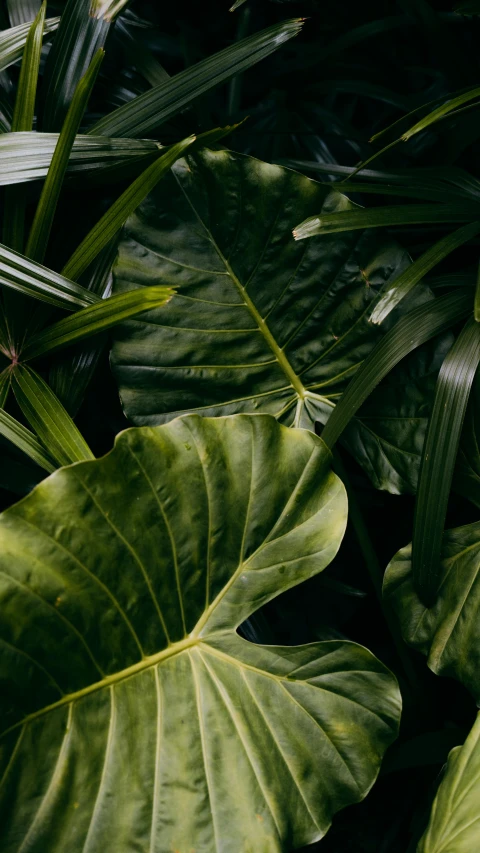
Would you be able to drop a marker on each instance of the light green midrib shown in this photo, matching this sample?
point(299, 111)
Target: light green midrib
point(265, 331)
point(254, 313)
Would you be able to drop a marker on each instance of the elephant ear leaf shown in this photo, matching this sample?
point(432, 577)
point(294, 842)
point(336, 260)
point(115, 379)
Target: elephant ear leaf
point(259, 322)
point(454, 825)
point(134, 717)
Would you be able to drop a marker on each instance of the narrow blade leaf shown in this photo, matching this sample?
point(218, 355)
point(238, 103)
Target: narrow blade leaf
point(406, 214)
point(49, 419)
point(12, 41)
point(25, 440)
point(417, 327)
point(120, 210)
point(96, 318)
point(47, 205)
point(439, 455)
point(142, 115)
point(407, 280)
point(25, 276)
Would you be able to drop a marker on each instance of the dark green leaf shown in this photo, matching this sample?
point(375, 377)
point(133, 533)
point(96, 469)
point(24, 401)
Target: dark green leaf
point(259, 323)
point(418, 326)
point(142, 115)
point(80, 35)
point(439, 454)
point(47, 205)
point(122, 584)
point(447, 631)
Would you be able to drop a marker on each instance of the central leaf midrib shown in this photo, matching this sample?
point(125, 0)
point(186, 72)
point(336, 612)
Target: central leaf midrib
point(269, 339)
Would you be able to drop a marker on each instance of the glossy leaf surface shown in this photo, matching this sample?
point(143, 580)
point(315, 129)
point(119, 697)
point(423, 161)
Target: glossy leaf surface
point(118, 630)
point(260, 323)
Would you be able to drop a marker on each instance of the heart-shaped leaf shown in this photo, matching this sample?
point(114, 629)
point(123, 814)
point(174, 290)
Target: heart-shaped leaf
point(260, 323)
point(448, 631)
point(134, 717)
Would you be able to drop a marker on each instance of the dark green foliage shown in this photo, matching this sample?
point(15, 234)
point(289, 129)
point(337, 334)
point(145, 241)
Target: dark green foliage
point(189, 233)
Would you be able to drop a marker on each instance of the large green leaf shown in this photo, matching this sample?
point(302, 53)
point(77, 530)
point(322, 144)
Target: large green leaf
point(454, 825)
point(134, 716)
point(260, 323)
point(448, 631)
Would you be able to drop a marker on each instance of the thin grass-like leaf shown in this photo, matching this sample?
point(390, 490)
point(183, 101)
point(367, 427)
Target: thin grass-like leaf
point(406, 214)
point(4, 386)
point(32, 279)
point(12, 41)
point(79, 37)
point(142, 115)
point(23, 116)
point(413, 274)
point(48, 418)
point(94, 319)
point(438, 458)
point(414, 329)
point(47, 205)
point(72, 371)
point(25, 440)
point(114, 218)
point(28, 156)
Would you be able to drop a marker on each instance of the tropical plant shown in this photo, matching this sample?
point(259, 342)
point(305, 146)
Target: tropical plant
point(198, 250)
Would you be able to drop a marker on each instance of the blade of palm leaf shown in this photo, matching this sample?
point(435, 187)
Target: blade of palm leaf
point(25, 440)
point(15, 197)
point(142, 115)
point(34, 280)
point(406, 214)
point(115, 217)
point(4, 386)
point(12, 41)
point(71, 372)
point(46, 415)
point(47, 204)
point(476, 305)
point(414, 273)
point(414, 329)
point(23, 116)
point(28, 156)
point(79, 37)
point(438, 458)
point(409, 115)
point(22, 11)
point(95, 319)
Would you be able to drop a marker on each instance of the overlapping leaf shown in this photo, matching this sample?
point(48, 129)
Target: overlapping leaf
point(448, 631)
point(260, 323)
point(133, 715)
point(27, 156)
